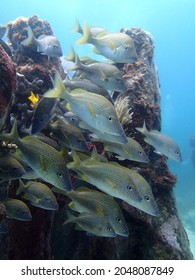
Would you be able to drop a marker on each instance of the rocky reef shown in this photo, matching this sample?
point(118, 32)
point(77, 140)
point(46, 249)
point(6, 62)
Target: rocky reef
point(45, 237)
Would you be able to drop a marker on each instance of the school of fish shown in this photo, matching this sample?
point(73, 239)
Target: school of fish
point(78, 112)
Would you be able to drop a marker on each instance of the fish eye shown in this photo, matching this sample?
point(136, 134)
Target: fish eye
point(55, 47)
point(118, 80)
point(147, 198)
point(109, 228)
point(110, 118)
point(129, 187)
point(177, 153)
point(140, 153)
point(41, 120)
point(59, 174)
point(118, 220)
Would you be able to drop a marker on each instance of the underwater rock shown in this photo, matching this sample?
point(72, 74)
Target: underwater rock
point(7, 85)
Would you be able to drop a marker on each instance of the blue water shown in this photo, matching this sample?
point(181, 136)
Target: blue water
point(171, 23)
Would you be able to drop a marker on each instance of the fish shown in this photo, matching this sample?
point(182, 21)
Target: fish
point(109, 178)
point(43, 113)
point(103, 74)
point(68, 135)
point(148, 203)
point(2, 31)
point(47, 162)
point(46, 44)
point(38, 194)
point(10, 169)
point(51, 142)
point(131, 151)
point(118, 47)
point(17, 209)
point(94, 110)
point(162, 143)
point(91, 201)
point(92, 224)
point(88, 86)
point(34, 98)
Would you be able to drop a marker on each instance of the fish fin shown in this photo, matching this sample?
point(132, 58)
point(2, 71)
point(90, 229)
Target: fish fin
point(83, 125)
point(58, 90)
point(157, 152)
point(110, 183)
point(91, 109)
point(71, 56)
point(21, 187)
point(112, 44)
point(120, 158)
point(86, 35)
point(77, 28)
point(70, 218)
point(32, 175)
point(68, 107)
point(72, 206)
point(13, 135)
point(94, 154)
point(76, 161)
point(30, 38)
point(142, 129)
point(57, 190)
point(83, 189)
point(95, 50)
point(42, 36)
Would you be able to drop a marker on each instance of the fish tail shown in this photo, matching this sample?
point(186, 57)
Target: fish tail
point(58, 90)
point(71, 56)
point(77, 27)
point(76, 161)
point(21, 187)
point(70, 218)
point(86, 35)
point(142, 129)
point(30, 39)
point(12, 136)
point(78, 65)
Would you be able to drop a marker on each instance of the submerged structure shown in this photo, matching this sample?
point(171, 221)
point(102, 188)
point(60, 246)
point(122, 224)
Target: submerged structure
point(45, 237)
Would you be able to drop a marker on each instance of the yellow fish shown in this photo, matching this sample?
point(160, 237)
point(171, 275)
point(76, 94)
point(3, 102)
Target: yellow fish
point(34, 98)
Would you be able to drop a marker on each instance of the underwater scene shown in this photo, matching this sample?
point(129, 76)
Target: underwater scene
point(97, 137)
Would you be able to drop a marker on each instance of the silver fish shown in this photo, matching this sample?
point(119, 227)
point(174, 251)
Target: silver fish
point(109, 178)
point(10, 169)
point(131, 151)
point(161, 142)
point(46, 44)
point(17, 209)
point(93, 224)
point(38, 194)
